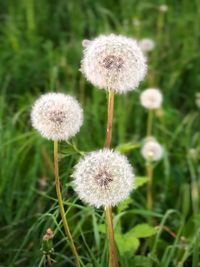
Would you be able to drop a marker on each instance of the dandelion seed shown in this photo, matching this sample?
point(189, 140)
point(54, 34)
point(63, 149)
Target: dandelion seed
point(152, 150)
point(57, 116)
point(146, 45)
point(113, 62)
point(103, 178)
point(151, 98)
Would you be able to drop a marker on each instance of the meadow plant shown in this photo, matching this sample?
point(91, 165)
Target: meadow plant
point(57, 116)
point(116, 64)
point(151, 99)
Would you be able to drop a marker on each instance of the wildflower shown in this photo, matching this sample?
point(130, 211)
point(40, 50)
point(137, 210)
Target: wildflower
point(151, 98)
point(113, 62)
point(103, 178)
point(146, 45)
point(57, 116)
point(152, 150)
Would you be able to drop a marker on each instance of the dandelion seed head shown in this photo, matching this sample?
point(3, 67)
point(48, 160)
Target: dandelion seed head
point(113, 62)
point(152, 150)
point(103, 178)
point(163, 8)
point(151, 98)
point(146, 45)
point(136, 22)
point(57, 116)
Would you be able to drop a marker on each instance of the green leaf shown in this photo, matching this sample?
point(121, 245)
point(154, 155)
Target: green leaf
point(140, 180)
point(142, 230)
point(124, 204)
point(102, 228)
point(126, 243)
point(124, 148)
point(141, 261)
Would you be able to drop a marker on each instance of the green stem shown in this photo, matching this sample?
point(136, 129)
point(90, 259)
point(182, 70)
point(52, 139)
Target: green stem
point(149, 168)
point(149, 122)
point(149, 185)
point(49, 263)
point(113, 261)
point(61, 207)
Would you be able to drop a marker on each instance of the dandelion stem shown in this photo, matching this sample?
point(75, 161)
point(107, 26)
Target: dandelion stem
point(113, 262)
point(61, 207)
point(149, 165)
point(109, 120)
point(149, 185)
point(149, 122)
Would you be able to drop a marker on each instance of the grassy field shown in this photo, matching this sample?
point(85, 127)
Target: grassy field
point(40, 51)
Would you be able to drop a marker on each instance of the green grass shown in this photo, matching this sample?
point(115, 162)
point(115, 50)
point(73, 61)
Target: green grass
point(40, 50)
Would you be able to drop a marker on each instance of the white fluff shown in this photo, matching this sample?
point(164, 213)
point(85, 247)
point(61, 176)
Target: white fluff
point(113, 62)
point(152, 150)
point(103, 178)
point(151, 98)
point(163, 8)
point(57, 116)
point(146, 44)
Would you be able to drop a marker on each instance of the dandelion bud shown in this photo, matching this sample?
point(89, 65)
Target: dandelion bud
point(113, 62)
point(103, 178)
point(146, 45)
point(152, 150)
point(151, 98)
point(57, 116)
point(47, 242)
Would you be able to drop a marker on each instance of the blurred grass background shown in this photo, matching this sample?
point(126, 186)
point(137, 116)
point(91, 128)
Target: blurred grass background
point(40, 51)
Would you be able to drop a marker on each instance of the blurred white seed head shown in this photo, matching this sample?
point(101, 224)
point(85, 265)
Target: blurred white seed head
point(163, 8)
point(57, 116)
point(151, 98)
point(197, 100)
point(136, 22)
point(146, 45)
point(113, 62)
point(152, 150)
point(193, 153)
point(103, 178)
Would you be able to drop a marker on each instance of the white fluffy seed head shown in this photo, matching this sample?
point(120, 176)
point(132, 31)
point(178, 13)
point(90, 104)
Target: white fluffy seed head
point(151, 98)
point(103, 178)
point(57, 116)
point(146, 44)
point(113, 62)
point(152, 150)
